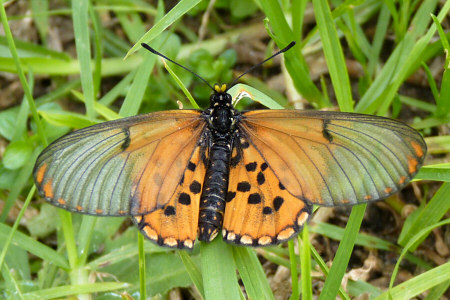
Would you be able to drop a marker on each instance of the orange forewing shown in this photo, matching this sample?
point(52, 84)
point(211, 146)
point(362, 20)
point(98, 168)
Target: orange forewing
point(330, 158)
point(130, 166)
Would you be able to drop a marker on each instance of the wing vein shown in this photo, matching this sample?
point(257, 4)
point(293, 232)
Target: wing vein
point(370, 152)
point(380, 143)
point(244, 131)
point(343, 171)
point(117, 181)
point(193, 136)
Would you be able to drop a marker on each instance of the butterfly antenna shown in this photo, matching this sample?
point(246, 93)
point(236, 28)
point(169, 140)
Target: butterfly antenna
point(174, 62)
point(291, 44)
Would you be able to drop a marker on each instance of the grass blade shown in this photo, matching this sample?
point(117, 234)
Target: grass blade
point(333, 55)
point(219, 270)
point(83, 46)
point(252, 274)
point(340, 262)
point(173, 15)
point(305, 258)
point(425, 216)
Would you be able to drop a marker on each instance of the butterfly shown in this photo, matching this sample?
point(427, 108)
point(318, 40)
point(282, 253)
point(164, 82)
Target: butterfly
point(253, 176)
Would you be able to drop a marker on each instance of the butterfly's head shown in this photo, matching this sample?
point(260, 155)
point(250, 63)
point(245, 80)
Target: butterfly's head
point(220, 97)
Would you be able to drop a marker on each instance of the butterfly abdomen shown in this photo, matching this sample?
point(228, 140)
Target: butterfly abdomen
point(212, 200)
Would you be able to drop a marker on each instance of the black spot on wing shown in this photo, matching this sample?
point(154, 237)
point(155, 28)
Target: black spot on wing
point(191, 166)
point(169, 210)
point(254, 198)
point(250, 167)
point(264, 166)
point(184, 199)
point(245, 145)
point(267, 210)
point(277, 202)
point(195, 187)
point(326, 134)
point(204, 149)
point(243, 186)
point(260, 178)
point(230, 196)
point(235, 160)
point(236, 153)
point(127, 140)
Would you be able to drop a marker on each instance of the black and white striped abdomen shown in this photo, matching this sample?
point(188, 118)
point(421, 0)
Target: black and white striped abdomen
point(215, 187)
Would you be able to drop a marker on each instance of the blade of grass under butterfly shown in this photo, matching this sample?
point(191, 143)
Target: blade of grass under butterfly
point(294, 273)
point(342, 257)
point(325, 270)
point(193, 271)
point(305, 259)
point(173, 15)
point(252, 274)
point(142, 285)
point(219, 270)
point(84, 237)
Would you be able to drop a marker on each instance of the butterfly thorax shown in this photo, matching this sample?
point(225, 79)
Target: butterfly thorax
point(221, 119)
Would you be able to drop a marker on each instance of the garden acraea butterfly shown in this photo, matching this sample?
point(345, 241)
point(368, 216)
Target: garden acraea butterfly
point(183, 174)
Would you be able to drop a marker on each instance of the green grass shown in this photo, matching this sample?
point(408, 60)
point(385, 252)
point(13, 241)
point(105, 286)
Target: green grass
point(82, 255)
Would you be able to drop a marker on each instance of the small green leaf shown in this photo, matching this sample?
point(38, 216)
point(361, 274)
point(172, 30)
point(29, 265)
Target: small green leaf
point(7, 177)
point(242, 8)
point(44, 223)
point(16, 155)
point(7, 123)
